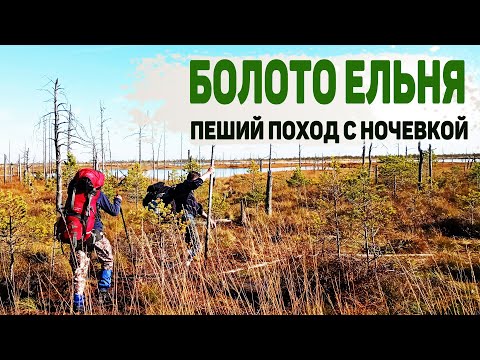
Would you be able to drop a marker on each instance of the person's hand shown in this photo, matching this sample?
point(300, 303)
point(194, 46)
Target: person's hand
point(118, 197)
point(211, 169)
point(213, 224)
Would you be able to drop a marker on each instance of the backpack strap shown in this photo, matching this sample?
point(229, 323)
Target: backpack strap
point(72, 200)
point(84, 218)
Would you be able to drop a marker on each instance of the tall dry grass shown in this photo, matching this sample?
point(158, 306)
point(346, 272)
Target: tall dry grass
point(283, 264)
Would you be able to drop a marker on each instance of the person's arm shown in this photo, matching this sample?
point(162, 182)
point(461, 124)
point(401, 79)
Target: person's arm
point(107, 206)
point(210, 170)
point(195, 184)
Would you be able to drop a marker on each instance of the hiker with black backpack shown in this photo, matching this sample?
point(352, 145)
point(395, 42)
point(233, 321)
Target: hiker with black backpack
point(81, 226)
point(185, 200)
point(181, 197)
point(156, 193)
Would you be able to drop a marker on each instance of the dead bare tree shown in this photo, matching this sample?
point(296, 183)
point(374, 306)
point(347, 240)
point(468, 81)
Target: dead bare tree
point(153, 154)
point(85, 137)
point(268, 197)
point(430, 180)
point(158, 156)
point(102, 147)
point(58, 119)
point(140, 137)
point(109, 151)
point(164, 152)
point(69, 130)
point(299, 156)
point(209, 212)
point(19, 169)
point(363, 154)
point(369, 159)
point(50, 137)
point(45, 149)
point(60, 128)
point(26, 166)
point(93, 144)
point(420, 165)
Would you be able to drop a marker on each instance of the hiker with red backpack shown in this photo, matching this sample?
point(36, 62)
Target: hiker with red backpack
point(81, 226)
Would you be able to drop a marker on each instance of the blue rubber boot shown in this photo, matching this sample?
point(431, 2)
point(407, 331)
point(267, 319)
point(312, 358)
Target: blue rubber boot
point(103, 287)
point(105, 279)
point(79, 303)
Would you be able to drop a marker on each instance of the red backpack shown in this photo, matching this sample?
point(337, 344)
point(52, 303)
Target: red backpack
point(78, 218)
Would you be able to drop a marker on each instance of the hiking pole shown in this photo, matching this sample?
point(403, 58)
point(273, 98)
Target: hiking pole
point(121, 210)
point(123, 218)
point(210, 191)
point(124, 225)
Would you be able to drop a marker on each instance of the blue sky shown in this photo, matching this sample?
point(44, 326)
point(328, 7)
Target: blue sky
point(93, 73)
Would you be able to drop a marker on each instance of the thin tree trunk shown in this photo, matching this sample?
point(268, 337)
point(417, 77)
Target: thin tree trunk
point(153, 157)
point(369, 159)
point(420, 164)
point(10, 161)
point(158, 157)
point(4, 168)
point(164, 158)
point(210, 193)
point(69, 130)
point(376, 174)
point(363, 154)
point(26, 167)
point(19, 170)
point(58, 158)
point(430, 179)
point(268, 197)
point(299, 156)
point(243, 212)
point(140, 146)
point(50, 167)
point(102, 149)
point(110, 152)
point(45, 150)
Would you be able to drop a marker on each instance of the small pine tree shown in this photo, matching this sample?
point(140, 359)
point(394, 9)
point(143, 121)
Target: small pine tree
point(110, 186)
point(69, 168)
point(298, 178)
point(471, 203)
point(474, 174)
point(136, 183)
point(254, 196)
point(13, 217)
point(192, 165)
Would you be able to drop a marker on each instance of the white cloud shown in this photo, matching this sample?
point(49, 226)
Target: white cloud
point(434, 48)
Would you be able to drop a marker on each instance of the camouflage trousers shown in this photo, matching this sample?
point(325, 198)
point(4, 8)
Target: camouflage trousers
point(191, 236)
point(80, 262)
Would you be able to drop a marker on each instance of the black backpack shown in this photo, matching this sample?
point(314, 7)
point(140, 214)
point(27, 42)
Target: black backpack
point(159, 191)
